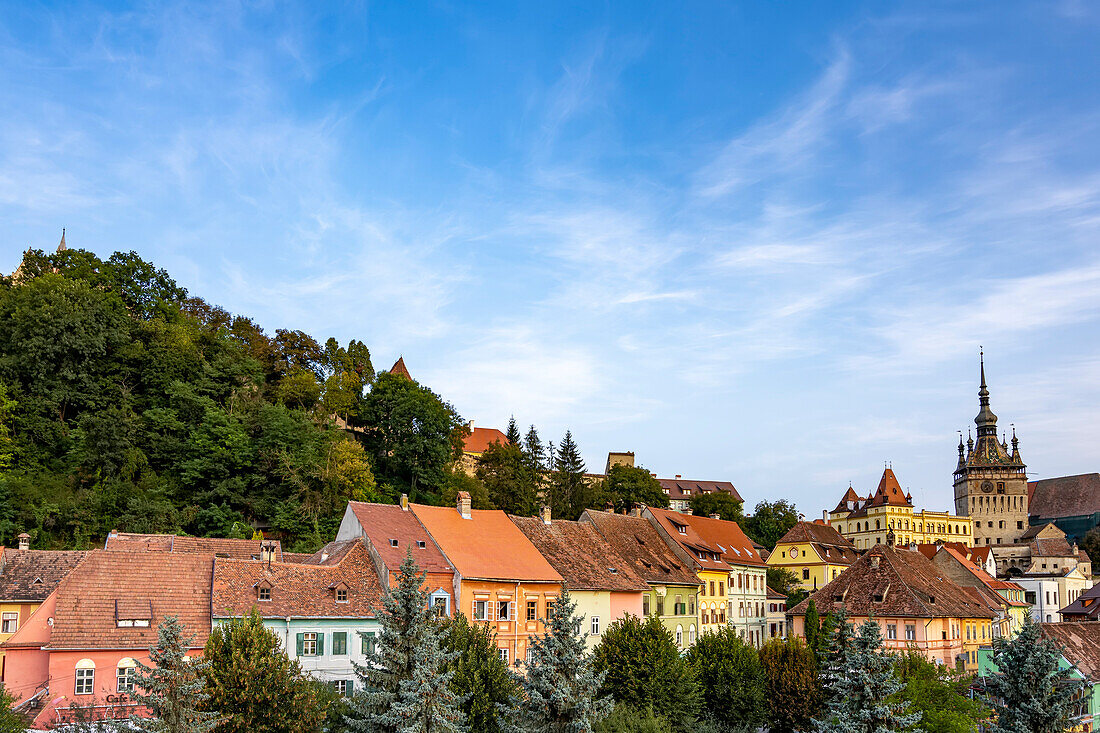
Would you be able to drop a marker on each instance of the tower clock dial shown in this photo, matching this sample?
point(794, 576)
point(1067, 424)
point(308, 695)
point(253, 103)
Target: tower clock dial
point(987, 486)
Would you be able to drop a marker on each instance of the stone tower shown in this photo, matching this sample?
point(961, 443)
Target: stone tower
point(991, 482)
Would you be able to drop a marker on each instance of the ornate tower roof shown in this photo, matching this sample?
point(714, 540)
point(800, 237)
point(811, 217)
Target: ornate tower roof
point(989, 450)
point(985, 420)
point(61, 247)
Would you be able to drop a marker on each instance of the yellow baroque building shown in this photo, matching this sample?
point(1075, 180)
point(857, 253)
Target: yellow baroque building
point(887, 517)
point(815, 552)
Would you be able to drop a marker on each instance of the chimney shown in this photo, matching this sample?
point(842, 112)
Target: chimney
point(825, 516)
point(636, 510)
point(404, 502)
point(267, 551)
point(545, 513)
point(716, 516)
point(24, 541)
point(875, 560)
point(463, 505)
point(679, 476)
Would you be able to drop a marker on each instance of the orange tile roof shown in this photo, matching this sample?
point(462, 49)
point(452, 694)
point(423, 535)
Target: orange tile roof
point(108, 586)
point(703, 533)
point(638, 541)
point(682, 488)
point(1080, 644)
point(579, 552)
point(31, 575)
point(485, 547)
point(299, 590)
point(400, 369)
point(849, 501)
point(220, 546)
point(831, 545)
point(479, 440)
point(384, 523)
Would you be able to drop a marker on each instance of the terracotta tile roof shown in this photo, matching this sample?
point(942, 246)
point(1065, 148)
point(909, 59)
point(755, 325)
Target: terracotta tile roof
point(1052, 547)
point(703, 534)
point(331, 554)
point(929, 549)
point(400, 369)
point(1065, 496)
point(220, 546)
point(1080, 642)
point(831, 545)
point(31, 575)
point(889, 491)
point(299, 590)
point(479, 440)
point(849, 502)
point(987, 580)
point(108, 587)
point(384, 523)
point(684, 489)
point(775, 595)
point(297, 556)
point(907, 583)
point(635, 539)
point(1086, 604)
point(487, 546)
point(577, 550)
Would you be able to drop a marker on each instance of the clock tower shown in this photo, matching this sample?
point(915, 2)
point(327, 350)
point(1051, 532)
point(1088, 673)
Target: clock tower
point(991, 481)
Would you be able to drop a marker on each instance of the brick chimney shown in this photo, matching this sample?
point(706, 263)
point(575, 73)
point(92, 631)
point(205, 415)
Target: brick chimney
point(404, 502)
point(267, 551)
point(24, 541)
point(636, 510)
point(463, 504)
point(545, 514)
point(715, 516)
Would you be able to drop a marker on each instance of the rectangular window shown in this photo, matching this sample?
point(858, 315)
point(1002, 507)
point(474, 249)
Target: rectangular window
point(645, 605)
point(595, 626)
point(369, 643)
point(11, 623)
point(910, 632)
point(805, 573)
point(311, 644)
point(265, 594)
point(721, 588)
point(891, 631)
point(481, 610)
point(660, 606)
point(342, 687)
point(340, 642)
point(85, 681)
point(532, 610)
point(712, 587)
point(549, 608)
point(125, 679)
point(341, 595)
point(503, 608)
point(503, 655)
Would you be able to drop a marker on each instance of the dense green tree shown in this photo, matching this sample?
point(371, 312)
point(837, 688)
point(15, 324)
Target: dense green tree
point(570, 493)
point(253, 685)
point(940, 695)
point(790, 685)
point(782, 580)
point(481, 678)
point(628, 719)
point(560, 690)
point(770, 521)
point(512, 433)
point(811, 625)
point(508, 479)
point(1091, 544)
point(1029, 690)
point(627, 486)
point(731, 678)
point(534, 450)
point(172, 687)
point(455, 479)
point(720, 503)
point(10, 720)
point(644, 668)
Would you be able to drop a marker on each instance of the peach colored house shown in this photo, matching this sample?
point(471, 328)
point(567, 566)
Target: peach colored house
point(500, 577)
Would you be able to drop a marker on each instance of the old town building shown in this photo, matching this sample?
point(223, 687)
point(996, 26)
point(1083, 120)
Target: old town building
point(815, 552)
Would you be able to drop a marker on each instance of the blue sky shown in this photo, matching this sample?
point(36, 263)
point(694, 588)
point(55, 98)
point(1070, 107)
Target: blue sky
point(759, 242)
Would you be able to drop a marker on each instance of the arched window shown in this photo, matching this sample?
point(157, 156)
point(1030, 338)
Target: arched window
point(878, 524)
point(679, 635)
point(125, 673)
point(691, 634)
point(85, 677)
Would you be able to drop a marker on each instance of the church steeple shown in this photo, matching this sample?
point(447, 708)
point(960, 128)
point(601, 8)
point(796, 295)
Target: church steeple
point(61, 247)
point(985, 420)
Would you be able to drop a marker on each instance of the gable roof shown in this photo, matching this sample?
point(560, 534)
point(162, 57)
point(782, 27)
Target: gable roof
point(889, 492)
point(683, 489)
point(31, 575)
point(577, 550)
point(108, 586)
point(220, 546)
point(479, 440)
point(299, 590)
point(703, 535)
point(1086, 604)
point(384, 523)
point(979, 574)
point(636, 540)
point(399, 368)
point(1080, 642)
point(1065, 496)
point(829, 544)
point(908, 583)
point(849, 501)
point(487, 546)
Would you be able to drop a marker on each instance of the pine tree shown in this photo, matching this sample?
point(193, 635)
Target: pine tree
point(512, 433)
point(561, 688)
point(173, 687)
point(832, 650)
point(1029, 692)
point(406, 683)
point(569, 493)
point(534, 449)
point(860, 685)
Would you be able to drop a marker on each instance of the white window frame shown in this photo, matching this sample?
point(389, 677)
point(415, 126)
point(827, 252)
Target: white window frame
point(307, 650)
point(507, 607)
point(85, 681)
point(503, 654)
point(341, 687)
point(10, 618)
point(264, 594)
point(125, 678)
point(484, 616)
point(341, 597)
point(595, 626)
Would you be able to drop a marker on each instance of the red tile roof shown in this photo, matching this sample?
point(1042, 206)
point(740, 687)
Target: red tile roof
point(107, 587)
point(703, 534)
point(399, 368)
point(486, 547)
point(479, 440)
point(684, 489)
point(1065, 496)
point(384, 523)
point(850, 501)
point(577, 550)
point(774, 594)
point(635, 539)
point(299, 590)
point(1080, 642)
point(31, 575)
point(831, 545)
point(220, 546)
point(1087, 604)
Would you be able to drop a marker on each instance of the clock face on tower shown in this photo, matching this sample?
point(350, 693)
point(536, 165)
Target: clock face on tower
point(987, 486)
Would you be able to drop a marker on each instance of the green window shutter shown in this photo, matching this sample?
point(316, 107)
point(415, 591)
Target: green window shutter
point(320, 644)
point(351, 687)
point(340, 642)
point(301, 640)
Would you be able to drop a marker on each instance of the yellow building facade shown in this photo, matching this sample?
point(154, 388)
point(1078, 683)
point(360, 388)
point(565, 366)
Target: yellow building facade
point(814, 552)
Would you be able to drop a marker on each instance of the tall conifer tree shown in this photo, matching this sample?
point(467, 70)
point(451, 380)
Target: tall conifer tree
point(173, 687)
point(512, 433)
point(569, 493)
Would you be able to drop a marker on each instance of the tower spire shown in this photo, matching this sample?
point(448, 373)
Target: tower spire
point(61, 247)
point(985, 420)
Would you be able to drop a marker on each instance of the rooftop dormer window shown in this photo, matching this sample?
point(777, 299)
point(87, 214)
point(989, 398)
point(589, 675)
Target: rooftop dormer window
point(133, 613)
point(421, 544)
point(341, 595)
point(681, 529)
point(265, 594)
point(393, 543)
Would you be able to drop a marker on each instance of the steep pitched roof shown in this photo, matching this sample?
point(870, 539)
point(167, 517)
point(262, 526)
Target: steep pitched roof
point(219, 546)
point(384, 523)
point(109, 587)
point(831, 545)
point(849, 501)
point(1065, 496)
point(1080, 642)
point(987, 580)
point(299, 590)
point(399, 368)
point(774, 595)
point(684, 489)
point(703, 535)
point(487, 546)
point(577, 550)
point(1086, 604)
point(889, 491)
point(479, 440)
point(636, 540)
point(31, 575)
point(908, 584)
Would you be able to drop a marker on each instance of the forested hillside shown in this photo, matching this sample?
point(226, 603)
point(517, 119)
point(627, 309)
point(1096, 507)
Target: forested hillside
point(125, 403)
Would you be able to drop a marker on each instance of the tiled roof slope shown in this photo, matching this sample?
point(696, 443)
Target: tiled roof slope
point(222, 546)
point(1080, 642)
point(682, 489)
point(636, 540)
point(988, 581)
point(774, 595)
point(383, 523)
point(479, 439)
point(330, 554)
point(1086, 604)
point(1065, 496)
point(107, 586)
point(585, 560)
point(31, 575)
point(487, 546)
point(849, 501)
point(400, 369)
point(909, 584)
point(298, 590)
point(726, 538)
point(830, 544)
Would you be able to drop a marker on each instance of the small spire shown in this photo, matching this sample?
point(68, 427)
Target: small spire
point(986, 420)
point(61, 247)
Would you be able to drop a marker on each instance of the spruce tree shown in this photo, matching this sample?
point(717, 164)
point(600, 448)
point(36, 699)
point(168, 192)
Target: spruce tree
point(512, 433)
point(1030, 692)
point(173, 687)
point(860, 685)
point(561, 688)
point(569, 493)
point(406, 682)
point(832, 650)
